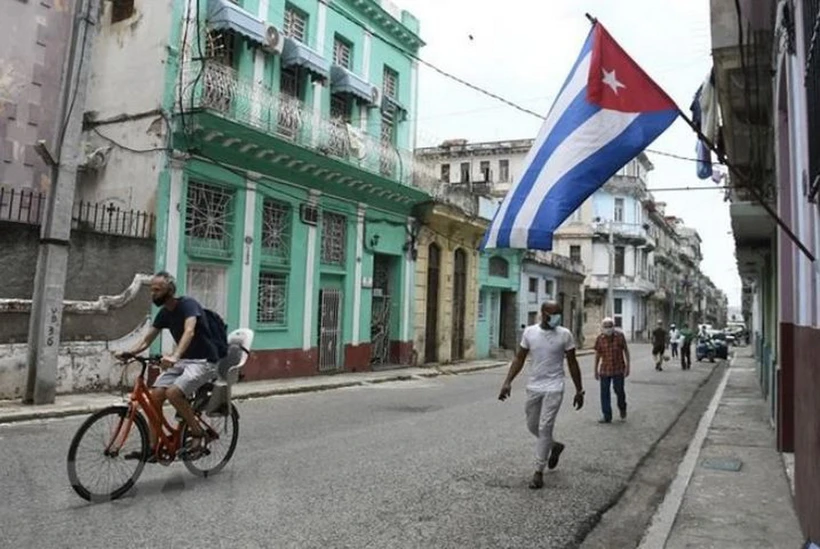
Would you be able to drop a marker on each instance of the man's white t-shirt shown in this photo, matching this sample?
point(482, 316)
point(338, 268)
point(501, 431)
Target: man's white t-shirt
point(546, 357)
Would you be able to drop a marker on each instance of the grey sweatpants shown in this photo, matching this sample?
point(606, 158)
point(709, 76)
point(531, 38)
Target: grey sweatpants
point(542, 409)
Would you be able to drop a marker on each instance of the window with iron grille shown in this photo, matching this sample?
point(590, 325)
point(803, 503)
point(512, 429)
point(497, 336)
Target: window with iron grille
point(465, 172)
point(619, 210)
point(342, 53)
point(209, 219)
point(575, 252)
point(334, 238)
point(811, 27)
point(220, 47)
point(445, 173)
point(499, 267)
point(482, 306)
point(272, 298)
point(341, 108)
point(276, 230)
point(391, 83)
point(620, 260)
point(504, 170)
point(549, 287)
point(295, 24)
point(484, 168)
point(121, 10)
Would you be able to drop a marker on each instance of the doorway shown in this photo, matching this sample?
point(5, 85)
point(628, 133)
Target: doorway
point(431, 313)
point(459, 303)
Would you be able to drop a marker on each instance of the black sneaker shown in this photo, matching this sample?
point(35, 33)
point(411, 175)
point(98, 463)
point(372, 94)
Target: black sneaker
point(623, 413)
point(555, 454)
point(605, 420)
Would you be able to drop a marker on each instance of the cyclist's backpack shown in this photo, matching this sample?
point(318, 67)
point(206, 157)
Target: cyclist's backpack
point(218, 331)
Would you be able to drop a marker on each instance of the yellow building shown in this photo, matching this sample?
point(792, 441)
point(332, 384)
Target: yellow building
point(447, 284)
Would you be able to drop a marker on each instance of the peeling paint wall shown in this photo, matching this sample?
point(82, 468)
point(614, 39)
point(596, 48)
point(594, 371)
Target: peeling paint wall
point(81, 366)
point(33, 48)
point(126, 94)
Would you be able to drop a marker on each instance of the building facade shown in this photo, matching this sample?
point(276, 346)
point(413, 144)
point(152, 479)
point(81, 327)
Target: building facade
point(447, 278)
point(273, 141)
point(549, 276)
point(771, 131)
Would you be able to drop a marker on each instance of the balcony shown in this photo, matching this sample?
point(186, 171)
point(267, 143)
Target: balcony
point(632, 233)
point(621, 283)
point(285, 129)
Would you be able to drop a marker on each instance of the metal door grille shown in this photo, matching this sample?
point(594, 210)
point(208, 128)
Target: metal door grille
point(380, 315)
point(329, 329)
point(380, 331)
point(459, 303)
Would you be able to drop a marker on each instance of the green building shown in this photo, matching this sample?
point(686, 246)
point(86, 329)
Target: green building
point(284, 197)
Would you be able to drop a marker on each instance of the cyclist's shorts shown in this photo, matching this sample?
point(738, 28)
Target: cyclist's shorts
point(188, 375)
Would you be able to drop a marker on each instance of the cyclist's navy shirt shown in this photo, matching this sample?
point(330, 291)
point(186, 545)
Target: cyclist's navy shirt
point(201, 346)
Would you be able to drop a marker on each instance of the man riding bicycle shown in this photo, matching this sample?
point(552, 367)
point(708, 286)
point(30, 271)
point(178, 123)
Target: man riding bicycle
point(191, 365)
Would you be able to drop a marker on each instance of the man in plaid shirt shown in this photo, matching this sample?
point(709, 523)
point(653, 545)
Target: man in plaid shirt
point(611, 368)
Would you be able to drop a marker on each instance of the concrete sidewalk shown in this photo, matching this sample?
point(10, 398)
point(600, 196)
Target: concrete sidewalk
point(86, 403)
point(731, 489)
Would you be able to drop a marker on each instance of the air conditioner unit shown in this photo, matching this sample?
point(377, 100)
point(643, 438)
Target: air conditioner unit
point(309, 214)
point(275, 40)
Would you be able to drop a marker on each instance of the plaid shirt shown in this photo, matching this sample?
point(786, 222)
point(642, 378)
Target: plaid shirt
point(611, 350)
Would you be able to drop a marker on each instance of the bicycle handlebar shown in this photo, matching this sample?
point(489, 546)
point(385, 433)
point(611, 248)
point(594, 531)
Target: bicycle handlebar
point(151, 360)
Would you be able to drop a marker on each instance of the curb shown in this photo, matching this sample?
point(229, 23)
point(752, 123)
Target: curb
point(276, 391)
point(253, 394)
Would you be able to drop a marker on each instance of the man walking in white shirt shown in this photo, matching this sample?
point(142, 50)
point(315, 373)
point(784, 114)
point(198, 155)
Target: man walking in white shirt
point(547, 344)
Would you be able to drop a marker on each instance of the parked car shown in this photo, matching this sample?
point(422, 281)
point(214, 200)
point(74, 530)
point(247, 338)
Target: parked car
point(713, 346)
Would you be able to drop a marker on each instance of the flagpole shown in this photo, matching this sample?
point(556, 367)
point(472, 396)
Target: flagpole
point(754, 192)
point(723, 160)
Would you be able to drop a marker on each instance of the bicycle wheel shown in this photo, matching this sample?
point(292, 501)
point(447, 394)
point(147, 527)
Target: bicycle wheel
point(219, 450)
point(98, 473)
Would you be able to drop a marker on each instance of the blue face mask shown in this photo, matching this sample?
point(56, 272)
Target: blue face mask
point(554, 320)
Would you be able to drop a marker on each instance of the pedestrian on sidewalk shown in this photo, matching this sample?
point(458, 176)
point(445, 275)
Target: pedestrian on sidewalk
point(659, 345)
point(611, 368)
point(686, 337)
point(547, 344)
point(674, 336)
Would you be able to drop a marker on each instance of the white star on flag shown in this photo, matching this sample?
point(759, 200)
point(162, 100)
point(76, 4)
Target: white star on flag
point(612, 81)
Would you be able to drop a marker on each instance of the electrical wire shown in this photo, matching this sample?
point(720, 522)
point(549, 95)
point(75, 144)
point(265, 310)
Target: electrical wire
point(130, 149)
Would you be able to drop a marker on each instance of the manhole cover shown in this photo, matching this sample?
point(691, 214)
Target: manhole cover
point(722, 464)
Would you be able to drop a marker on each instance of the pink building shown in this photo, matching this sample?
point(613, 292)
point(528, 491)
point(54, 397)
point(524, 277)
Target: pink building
point(767, 75)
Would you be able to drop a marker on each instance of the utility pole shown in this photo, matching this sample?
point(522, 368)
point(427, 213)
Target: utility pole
point(52, 260)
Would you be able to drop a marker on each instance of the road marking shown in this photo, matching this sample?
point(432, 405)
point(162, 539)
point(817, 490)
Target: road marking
point(664, 519)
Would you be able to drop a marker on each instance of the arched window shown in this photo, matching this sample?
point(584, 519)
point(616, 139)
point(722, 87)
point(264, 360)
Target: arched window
point(499, 267)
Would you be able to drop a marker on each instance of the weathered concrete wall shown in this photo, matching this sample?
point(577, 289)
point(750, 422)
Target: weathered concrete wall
point(33, 47)
point(98, 264)
point(81, 367)
point(85, 363)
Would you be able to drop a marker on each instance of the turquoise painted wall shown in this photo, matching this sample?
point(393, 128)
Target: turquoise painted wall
point(494, 284)
point(230, 259)
point(289, 334)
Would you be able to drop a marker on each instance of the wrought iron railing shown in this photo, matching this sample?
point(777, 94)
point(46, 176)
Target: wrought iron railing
point(219, 88)
point(28, 206)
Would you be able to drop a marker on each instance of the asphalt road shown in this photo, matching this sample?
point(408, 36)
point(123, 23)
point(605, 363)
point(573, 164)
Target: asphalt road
point(429, 463)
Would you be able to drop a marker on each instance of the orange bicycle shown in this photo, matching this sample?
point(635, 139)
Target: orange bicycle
point(105, 461)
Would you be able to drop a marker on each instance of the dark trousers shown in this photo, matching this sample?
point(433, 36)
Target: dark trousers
point(674, 347)
point(617, 382)
point(686, 356)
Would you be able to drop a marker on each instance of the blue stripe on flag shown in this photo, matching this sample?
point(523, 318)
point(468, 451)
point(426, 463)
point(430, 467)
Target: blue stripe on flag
point(571, 190)
point(578, 112)
point(584, 51)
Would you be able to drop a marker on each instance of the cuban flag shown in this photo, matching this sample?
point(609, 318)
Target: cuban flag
point(607, 112)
